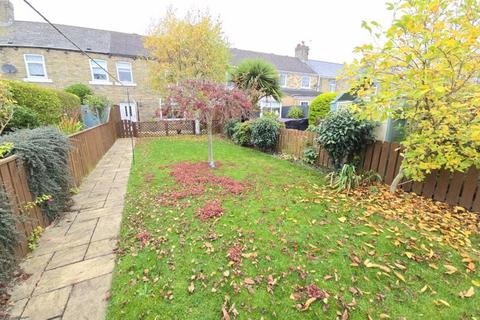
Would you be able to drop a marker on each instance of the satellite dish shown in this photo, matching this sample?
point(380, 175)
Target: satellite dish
point(8, 68)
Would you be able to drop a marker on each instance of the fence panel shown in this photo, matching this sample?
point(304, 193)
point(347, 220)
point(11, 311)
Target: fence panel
point(14, 180)
point(458, 188)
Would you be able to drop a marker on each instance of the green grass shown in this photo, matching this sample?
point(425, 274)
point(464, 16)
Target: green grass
point(296, 234)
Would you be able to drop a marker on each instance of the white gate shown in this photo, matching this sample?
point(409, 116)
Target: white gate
point(129, 112)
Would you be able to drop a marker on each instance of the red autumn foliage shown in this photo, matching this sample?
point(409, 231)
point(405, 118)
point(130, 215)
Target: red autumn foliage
point(235, 254)
point(194, 178)
point(143, 237)
point(212, 209)
point(315, 292)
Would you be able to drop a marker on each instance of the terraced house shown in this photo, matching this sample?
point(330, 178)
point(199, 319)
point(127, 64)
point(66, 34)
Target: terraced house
point(35, 52)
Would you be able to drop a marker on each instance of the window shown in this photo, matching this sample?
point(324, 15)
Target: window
point(124, 72)
point(332, 84)
point(99, 75)
point(304, 104)
point(35, 65)
point(305, 82)
point(283, 80)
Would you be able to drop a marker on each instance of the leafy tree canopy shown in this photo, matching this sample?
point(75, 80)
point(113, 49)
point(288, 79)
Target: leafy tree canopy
point(193, 47)
point(426, 65)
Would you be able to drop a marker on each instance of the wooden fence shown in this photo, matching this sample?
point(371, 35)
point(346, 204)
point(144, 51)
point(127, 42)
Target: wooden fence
point(460, 189)
point(87, 148)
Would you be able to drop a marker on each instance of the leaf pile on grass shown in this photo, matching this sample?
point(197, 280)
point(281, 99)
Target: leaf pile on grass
point(435, 221)
point(193, 180)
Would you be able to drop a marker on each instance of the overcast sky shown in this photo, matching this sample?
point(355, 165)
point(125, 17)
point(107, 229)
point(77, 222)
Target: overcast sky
point(331, 28)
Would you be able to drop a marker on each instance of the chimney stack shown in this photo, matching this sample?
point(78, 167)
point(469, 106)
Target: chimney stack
point(6, 13)
point(301, 51)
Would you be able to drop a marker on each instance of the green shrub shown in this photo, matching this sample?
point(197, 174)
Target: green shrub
point(310, 155)
point(45, 102)
point(265, 132)
point(9, 239)
point(70, 104)
point(97, 103)
point(229, 127)
point(5, 149)
point(23, 117)
point(80, 90)
point(320, 107)
point(243, 133)
point(44, 153)
point(343, 136)
point(295, 112)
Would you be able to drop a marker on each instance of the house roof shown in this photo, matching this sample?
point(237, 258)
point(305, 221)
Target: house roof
point(300, 92)
point(42, 35)
point(282, 63)
point(325, 69)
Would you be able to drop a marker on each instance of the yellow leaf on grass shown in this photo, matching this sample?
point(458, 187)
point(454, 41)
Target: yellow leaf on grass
point(342, 219)
point(308, 303)
point(476, 283)
point(409, 254)
point(450, 269)
point(399, 276)
point(467, 294)
point(369, 264)
point(440, 301)
point(191, 287)
point(423, 289)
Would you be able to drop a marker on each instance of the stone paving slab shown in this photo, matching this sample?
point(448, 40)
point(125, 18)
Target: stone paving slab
point(71, 269)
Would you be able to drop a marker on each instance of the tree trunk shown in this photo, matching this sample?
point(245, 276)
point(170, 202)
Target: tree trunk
point(211, 163)
point(397, 180)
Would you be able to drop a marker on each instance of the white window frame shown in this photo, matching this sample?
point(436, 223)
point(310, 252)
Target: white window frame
point(286, 79)
point(301, 82)
point(332, 83)
point(31, 78)
point(96, 81)
point(127, 83)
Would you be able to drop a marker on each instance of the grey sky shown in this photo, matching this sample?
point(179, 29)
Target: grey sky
point(331, 28)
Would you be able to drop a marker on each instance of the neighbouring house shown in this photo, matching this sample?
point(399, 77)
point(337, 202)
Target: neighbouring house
point(35, 52)
point(388, 130)
point(301, 79)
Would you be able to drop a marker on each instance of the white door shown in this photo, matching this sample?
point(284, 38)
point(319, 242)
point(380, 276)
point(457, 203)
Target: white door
point(129, 112)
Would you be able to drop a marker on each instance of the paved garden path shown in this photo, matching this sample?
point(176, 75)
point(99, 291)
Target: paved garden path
point(71, 269)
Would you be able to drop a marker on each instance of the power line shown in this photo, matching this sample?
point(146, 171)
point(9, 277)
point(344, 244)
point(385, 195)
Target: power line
point(91, 59)
point(74, 44)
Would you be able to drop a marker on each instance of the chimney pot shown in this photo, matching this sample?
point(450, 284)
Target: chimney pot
point(6, 13)
point(301, 51)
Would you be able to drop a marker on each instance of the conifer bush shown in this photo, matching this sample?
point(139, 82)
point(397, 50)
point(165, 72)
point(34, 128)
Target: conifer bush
point(44, 153)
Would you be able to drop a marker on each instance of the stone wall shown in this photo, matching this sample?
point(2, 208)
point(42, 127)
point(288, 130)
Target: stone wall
point(68, 67)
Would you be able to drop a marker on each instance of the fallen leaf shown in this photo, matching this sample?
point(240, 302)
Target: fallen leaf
point(476, 283)
point(450, 269)
point(369, 264)
point(191, 287)
point(468, 293)
point(248, 281)
point(342, 219)
point(308, 303)
point(399, 276)
point(440, 301)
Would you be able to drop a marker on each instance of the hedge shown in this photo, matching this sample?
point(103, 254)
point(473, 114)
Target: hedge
point(320, 107)
point(49, 104)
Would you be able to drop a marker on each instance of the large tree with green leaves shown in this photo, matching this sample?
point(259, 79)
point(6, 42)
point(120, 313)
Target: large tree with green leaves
point(427, 66)
point(192, 47)
point(258, 78)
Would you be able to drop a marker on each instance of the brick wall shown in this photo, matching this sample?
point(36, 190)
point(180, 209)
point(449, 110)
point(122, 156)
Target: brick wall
point(68, 67)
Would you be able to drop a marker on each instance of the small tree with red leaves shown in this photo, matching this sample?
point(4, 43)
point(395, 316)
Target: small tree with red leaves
point(205, 100)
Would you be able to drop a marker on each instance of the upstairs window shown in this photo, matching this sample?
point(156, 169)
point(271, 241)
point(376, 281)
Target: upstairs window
point(283, 80)
point(35, 65)
point(305, 82)
point(124, 71)
point(332, 84)
point(99, 74)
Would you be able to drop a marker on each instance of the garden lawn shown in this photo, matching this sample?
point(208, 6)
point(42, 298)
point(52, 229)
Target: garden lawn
point(284, 248)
